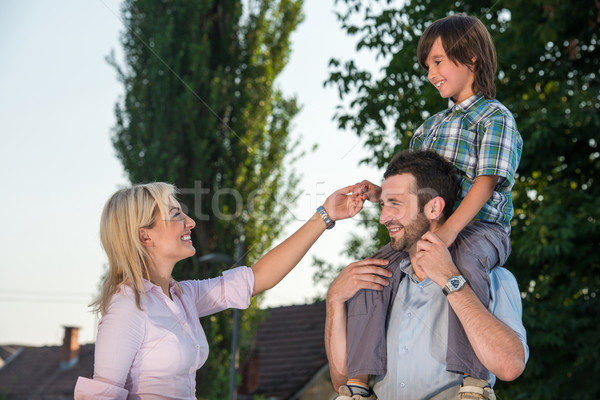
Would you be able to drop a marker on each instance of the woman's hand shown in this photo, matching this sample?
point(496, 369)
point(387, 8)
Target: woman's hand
point(347, 202)
point(344, 203)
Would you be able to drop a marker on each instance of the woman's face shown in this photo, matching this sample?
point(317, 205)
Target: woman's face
point(172, 235)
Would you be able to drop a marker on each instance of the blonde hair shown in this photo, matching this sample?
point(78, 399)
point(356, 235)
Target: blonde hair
point(127, 211)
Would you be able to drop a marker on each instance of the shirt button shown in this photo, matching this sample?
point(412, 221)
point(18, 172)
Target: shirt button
point(197, 346)
point(405, 349)
point(402, 384)
point(409, 314)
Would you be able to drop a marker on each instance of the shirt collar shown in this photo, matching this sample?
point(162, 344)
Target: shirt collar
point(407, 268)
point(464, 105)
point(149, 286)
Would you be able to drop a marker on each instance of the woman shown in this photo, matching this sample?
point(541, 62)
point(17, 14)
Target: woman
point(150, 342)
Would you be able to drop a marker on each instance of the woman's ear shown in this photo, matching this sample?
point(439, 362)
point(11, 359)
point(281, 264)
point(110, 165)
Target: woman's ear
point(144, 237)
point(434, 209)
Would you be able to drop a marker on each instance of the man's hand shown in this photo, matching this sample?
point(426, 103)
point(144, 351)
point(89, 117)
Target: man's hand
point(365, 274)
point(434, 259)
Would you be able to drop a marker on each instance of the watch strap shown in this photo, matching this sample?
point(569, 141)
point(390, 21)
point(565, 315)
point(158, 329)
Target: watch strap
point(449, 288)
point(329, 223)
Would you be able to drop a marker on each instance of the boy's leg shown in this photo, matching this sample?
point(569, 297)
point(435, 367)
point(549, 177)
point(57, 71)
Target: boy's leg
point(480, 247)
point(357, 388)
point(366, 323)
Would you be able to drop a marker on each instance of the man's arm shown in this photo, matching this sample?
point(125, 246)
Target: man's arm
point(365, 274)
point(496, 345)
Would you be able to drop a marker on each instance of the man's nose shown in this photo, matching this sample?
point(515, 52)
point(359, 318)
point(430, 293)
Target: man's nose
point(384, 216)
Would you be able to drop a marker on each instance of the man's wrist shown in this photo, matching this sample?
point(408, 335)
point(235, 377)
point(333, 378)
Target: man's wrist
point(454, 284)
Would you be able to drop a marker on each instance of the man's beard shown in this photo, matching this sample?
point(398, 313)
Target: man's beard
point(412, 233)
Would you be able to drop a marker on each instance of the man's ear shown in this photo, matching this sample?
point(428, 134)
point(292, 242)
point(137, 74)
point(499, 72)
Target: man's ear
point(434, 209)
point(144, 237)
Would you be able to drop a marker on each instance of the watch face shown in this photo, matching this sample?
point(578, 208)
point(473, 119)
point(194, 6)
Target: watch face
point(455, 282)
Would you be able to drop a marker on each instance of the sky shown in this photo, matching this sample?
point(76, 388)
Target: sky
point(58, 166)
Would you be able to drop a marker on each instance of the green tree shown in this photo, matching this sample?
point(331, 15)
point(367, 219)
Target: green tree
point(549, 77)
point(200, 110)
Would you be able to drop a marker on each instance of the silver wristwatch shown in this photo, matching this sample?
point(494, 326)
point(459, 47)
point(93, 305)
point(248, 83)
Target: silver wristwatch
point(454, 284)
point(329, 223)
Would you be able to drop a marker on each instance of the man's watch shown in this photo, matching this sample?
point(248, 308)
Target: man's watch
point(329, 223)
point(455, 283)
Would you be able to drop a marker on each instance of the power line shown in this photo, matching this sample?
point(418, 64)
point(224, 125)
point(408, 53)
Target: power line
point(44, 293)
point(41, 300)
point(40, 296)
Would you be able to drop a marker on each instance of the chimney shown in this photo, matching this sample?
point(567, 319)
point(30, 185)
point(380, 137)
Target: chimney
point(69, 353)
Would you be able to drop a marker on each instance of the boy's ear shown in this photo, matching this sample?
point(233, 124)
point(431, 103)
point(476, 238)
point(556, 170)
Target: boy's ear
point(472, 66)
point(144, 237)
point(434, 209)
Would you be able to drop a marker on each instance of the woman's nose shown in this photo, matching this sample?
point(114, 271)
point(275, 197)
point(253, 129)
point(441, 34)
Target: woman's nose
point(190, 223)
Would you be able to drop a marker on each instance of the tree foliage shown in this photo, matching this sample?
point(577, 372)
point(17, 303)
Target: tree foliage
point(200, 110)
point(549, 77)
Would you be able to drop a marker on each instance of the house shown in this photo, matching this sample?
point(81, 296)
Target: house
point(287, 362)
point(44, 373)
point(288, 359)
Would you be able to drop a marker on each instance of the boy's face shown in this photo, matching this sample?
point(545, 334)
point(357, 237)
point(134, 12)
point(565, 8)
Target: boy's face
point(451, 80)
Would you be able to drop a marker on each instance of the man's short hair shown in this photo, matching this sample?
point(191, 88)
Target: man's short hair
point(434, 176)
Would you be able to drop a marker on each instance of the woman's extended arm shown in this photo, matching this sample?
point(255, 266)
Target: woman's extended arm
point(279, 261)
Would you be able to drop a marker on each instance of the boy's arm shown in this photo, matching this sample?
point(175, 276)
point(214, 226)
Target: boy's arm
point(476, 197)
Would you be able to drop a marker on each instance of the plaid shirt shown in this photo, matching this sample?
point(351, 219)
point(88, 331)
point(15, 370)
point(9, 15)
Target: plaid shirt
point(479, 137)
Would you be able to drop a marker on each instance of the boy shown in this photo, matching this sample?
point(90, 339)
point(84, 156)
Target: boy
point(479, 136)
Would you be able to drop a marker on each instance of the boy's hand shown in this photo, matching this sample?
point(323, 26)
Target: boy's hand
point(369, 191)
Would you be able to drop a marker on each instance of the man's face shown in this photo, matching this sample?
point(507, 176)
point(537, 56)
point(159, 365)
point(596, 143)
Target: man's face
point(400, 212)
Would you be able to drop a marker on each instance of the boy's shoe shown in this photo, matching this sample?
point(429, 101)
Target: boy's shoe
point(475, 389)
point(345, 394)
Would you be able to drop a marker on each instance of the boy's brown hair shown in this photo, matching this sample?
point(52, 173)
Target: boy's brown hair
point(464, 38)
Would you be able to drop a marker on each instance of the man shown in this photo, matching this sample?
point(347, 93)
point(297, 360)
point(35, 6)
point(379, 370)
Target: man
point(417, 196)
